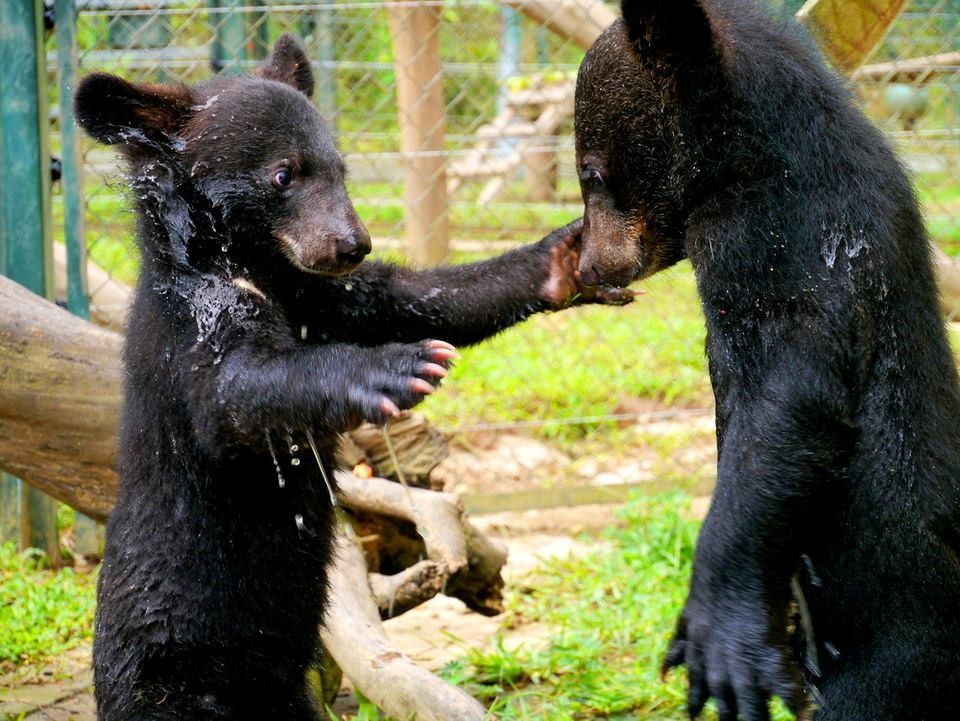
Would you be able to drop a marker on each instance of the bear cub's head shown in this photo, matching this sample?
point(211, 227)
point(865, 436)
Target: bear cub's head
point(635, 147)
point(253, 147)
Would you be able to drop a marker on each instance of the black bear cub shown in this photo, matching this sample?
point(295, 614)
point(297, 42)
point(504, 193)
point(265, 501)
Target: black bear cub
point(707, 130)
point(253, 341)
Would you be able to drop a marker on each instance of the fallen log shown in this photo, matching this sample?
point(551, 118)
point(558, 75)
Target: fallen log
point(60, 396)
point(60, 392)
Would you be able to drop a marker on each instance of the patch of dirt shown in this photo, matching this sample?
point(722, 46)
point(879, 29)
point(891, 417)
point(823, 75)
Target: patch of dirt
point(60, 691)
point(680, 443)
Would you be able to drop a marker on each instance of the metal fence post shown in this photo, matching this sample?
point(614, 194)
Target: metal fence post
point(234, 41)
point(87, 534)
point(27, 250)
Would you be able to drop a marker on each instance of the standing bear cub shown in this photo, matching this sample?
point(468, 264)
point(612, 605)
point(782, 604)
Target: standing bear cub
point(706, 130)
point(253, 341)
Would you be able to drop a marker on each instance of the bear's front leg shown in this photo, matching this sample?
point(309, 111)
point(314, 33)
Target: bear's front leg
point(785, 441)
point(464, 304)
point(327, 388)
point(732, 633)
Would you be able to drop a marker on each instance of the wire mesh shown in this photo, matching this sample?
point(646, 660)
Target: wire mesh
point(571, 385)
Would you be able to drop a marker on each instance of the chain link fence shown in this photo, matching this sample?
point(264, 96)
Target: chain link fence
point(455, 119)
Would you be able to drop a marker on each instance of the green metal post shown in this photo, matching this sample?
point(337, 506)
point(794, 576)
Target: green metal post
point(9, 487)
point(232, 35)
point(86, 534)
point(26, 255)
point(78, 301)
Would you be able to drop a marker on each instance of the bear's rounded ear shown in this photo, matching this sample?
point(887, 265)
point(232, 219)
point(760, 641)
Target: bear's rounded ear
point(288, 63)
point(117, 112)
point(669, 27)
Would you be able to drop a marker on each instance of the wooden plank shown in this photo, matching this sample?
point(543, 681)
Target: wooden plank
point(71, 182)
point(415, 31)
point(848, 30)
point(415, 34)
point(581, 21)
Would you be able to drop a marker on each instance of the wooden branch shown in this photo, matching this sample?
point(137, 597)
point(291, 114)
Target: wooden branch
point(480, 587)
point(438, 516)
point(355, 638)
point(471, 561)
point(401, 592)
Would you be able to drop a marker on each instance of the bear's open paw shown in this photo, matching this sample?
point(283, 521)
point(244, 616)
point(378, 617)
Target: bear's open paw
point(398, 376)
point(735, 654)
point(563, 285)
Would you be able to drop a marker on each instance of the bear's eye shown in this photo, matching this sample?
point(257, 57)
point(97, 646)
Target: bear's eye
point(592, 179)
point(283, 177)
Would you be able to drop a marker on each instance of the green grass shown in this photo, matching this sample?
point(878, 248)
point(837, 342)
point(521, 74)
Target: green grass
point(610, 616)
point(581, 362)
point(42, 613)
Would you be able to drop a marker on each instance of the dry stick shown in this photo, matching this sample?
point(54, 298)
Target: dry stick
point(468, 558)
point(355, 638)
point(401, 592)
point(442, 513)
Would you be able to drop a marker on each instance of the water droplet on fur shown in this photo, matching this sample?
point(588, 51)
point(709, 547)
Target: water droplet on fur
point(276, 465)
point(224, 247)
point(303, 332)
point(208, 104)
point(829, 250)
point(348, 286)
point(294, 461)
point(294, 448)
point(298, 519)
point(323, 471)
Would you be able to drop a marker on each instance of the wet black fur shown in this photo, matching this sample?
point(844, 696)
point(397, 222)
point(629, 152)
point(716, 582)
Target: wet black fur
point(214, 580)
point(709, 131)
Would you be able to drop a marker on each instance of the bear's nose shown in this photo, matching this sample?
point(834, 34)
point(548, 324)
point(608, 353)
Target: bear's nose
point(354, 245)
point(590, 276)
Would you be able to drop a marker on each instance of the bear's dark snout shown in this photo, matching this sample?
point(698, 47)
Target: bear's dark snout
point(354, 246)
